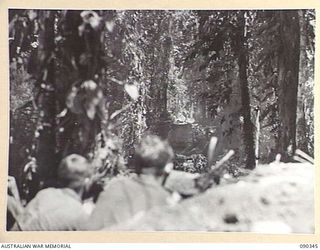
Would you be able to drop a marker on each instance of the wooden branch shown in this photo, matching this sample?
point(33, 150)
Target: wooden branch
point(115, 80)
point(299, 159)
point(224, 159)
point(302, 154)
point(211, 149)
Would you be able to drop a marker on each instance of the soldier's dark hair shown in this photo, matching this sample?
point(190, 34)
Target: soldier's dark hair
point(152, 152)
point(72, 170)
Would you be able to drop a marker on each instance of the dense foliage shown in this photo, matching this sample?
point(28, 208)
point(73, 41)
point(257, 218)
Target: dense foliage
point(94, 82)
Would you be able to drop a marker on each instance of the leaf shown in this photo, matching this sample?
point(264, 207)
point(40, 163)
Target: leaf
point(62, 113)
point(92, 18)
point(110, 25)
point(81, 29)
point(32, 15)
point(115, 80)
point(93, 98)
point(83, 60)
point(70, 98)
point(89, 85)
point(114, 114)
point(132, 91)
point(91, 111)
point(71, 101)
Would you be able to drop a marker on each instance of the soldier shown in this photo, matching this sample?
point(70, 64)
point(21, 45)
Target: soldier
point(59, 209)
point(123, 198)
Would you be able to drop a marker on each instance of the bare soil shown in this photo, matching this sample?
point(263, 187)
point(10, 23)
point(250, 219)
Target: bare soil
point(275, 198)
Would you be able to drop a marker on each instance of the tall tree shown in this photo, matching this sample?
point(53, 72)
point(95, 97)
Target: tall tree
point(242, 54)
point(275, 61)
point(81, 99)
point(301, 134)
point(67, 94)
point(288, 79)
point(46, 97)
point(157, 115)
point(222, 43)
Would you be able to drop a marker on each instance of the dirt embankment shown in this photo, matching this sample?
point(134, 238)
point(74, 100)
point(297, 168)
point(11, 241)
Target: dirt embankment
point(275, 198)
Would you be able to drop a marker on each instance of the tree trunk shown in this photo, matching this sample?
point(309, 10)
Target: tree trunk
point(301, 136)
point(81, 56)
point(157, 107)
point(288, 81)
point(245, 98)
point(46, 101)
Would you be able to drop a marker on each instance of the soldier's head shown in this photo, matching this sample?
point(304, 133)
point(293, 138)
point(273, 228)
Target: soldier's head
point(152, 155)
point(75, 172)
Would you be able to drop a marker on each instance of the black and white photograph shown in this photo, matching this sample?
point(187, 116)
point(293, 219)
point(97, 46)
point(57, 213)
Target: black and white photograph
point(161, 120)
